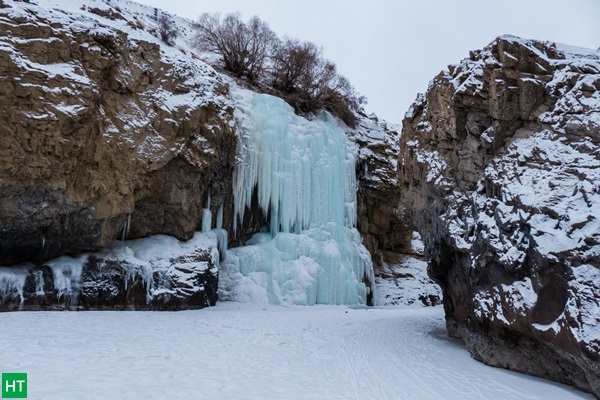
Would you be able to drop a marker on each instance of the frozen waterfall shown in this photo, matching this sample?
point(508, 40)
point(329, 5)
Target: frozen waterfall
point(304, 174)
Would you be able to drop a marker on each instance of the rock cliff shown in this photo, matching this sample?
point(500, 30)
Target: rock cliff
point(379, 220)
point(111, 134)
point(106, 134)
point(499, 171)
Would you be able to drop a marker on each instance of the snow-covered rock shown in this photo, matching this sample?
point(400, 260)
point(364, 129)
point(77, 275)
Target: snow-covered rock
point(107, 131)
point(500, 163)
point(379, 220)
point(404, 282)
point(154, 273)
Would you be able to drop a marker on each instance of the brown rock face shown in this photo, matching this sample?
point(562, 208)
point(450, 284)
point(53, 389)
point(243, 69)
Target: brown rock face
point(499, 170)
point(103, 136)
point(378, 213)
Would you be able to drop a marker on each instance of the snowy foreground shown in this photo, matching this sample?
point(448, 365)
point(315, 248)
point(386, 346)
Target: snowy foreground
point(245, 351)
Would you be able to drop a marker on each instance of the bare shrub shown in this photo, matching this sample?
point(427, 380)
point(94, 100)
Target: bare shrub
point(294, 63)
point(296, 70)
point(310, 82)
point(166, 29)
point(244, 47)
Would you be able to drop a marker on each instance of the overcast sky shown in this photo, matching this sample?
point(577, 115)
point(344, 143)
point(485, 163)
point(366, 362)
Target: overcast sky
point(391, 49)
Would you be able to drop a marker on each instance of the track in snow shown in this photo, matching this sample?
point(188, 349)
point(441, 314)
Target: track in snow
point(243, 351)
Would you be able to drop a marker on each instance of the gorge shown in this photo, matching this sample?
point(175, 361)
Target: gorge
point(134, 176)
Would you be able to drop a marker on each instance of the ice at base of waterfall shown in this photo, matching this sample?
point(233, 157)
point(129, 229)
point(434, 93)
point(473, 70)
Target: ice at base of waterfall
point(302, 269)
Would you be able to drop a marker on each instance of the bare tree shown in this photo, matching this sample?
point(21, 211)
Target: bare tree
point(309, 82)
point(243, 46)
point(294, 63)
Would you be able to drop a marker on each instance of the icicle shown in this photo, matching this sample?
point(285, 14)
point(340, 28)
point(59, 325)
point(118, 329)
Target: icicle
point(222, 242)
point(67, 276)
point(147, 274)
point(12, 280)
point(220, 217)
point(126, 227)
point(207, 217)
point(39, 283)
point(222, 239)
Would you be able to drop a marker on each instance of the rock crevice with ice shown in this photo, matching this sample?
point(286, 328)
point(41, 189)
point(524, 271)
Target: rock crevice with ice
point(378, 213)
point(499, 168)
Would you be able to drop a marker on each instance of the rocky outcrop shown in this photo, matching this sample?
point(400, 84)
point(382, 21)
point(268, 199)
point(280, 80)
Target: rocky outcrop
point(157, 273)
point(105, 134)
point(499, 171)
point(378, 215)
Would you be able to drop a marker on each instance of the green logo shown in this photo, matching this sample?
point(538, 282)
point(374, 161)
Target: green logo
point(14, 386)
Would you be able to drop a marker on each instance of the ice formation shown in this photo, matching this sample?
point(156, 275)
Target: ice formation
point(66, 272)
point(304, 175)
point(207, 217)
point(67, 276)
point(12, 281)
point(222, 239)
point(166, 266)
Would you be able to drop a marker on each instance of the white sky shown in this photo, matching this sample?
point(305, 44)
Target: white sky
point(391, 49)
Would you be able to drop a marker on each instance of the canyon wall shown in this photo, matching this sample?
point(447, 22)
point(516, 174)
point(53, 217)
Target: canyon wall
point(499, 172)
point(111, 135)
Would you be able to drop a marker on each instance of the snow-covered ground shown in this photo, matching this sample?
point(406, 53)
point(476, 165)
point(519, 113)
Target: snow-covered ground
point(406, 283)
point(246, 351)
point(403, 279)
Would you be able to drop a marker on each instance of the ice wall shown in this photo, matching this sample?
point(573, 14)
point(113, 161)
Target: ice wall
point(304, 173)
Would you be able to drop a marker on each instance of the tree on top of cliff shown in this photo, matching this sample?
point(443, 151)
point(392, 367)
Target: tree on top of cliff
point(243, 46)
point(294, 70)
point(293, 62)
point(310, 82)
